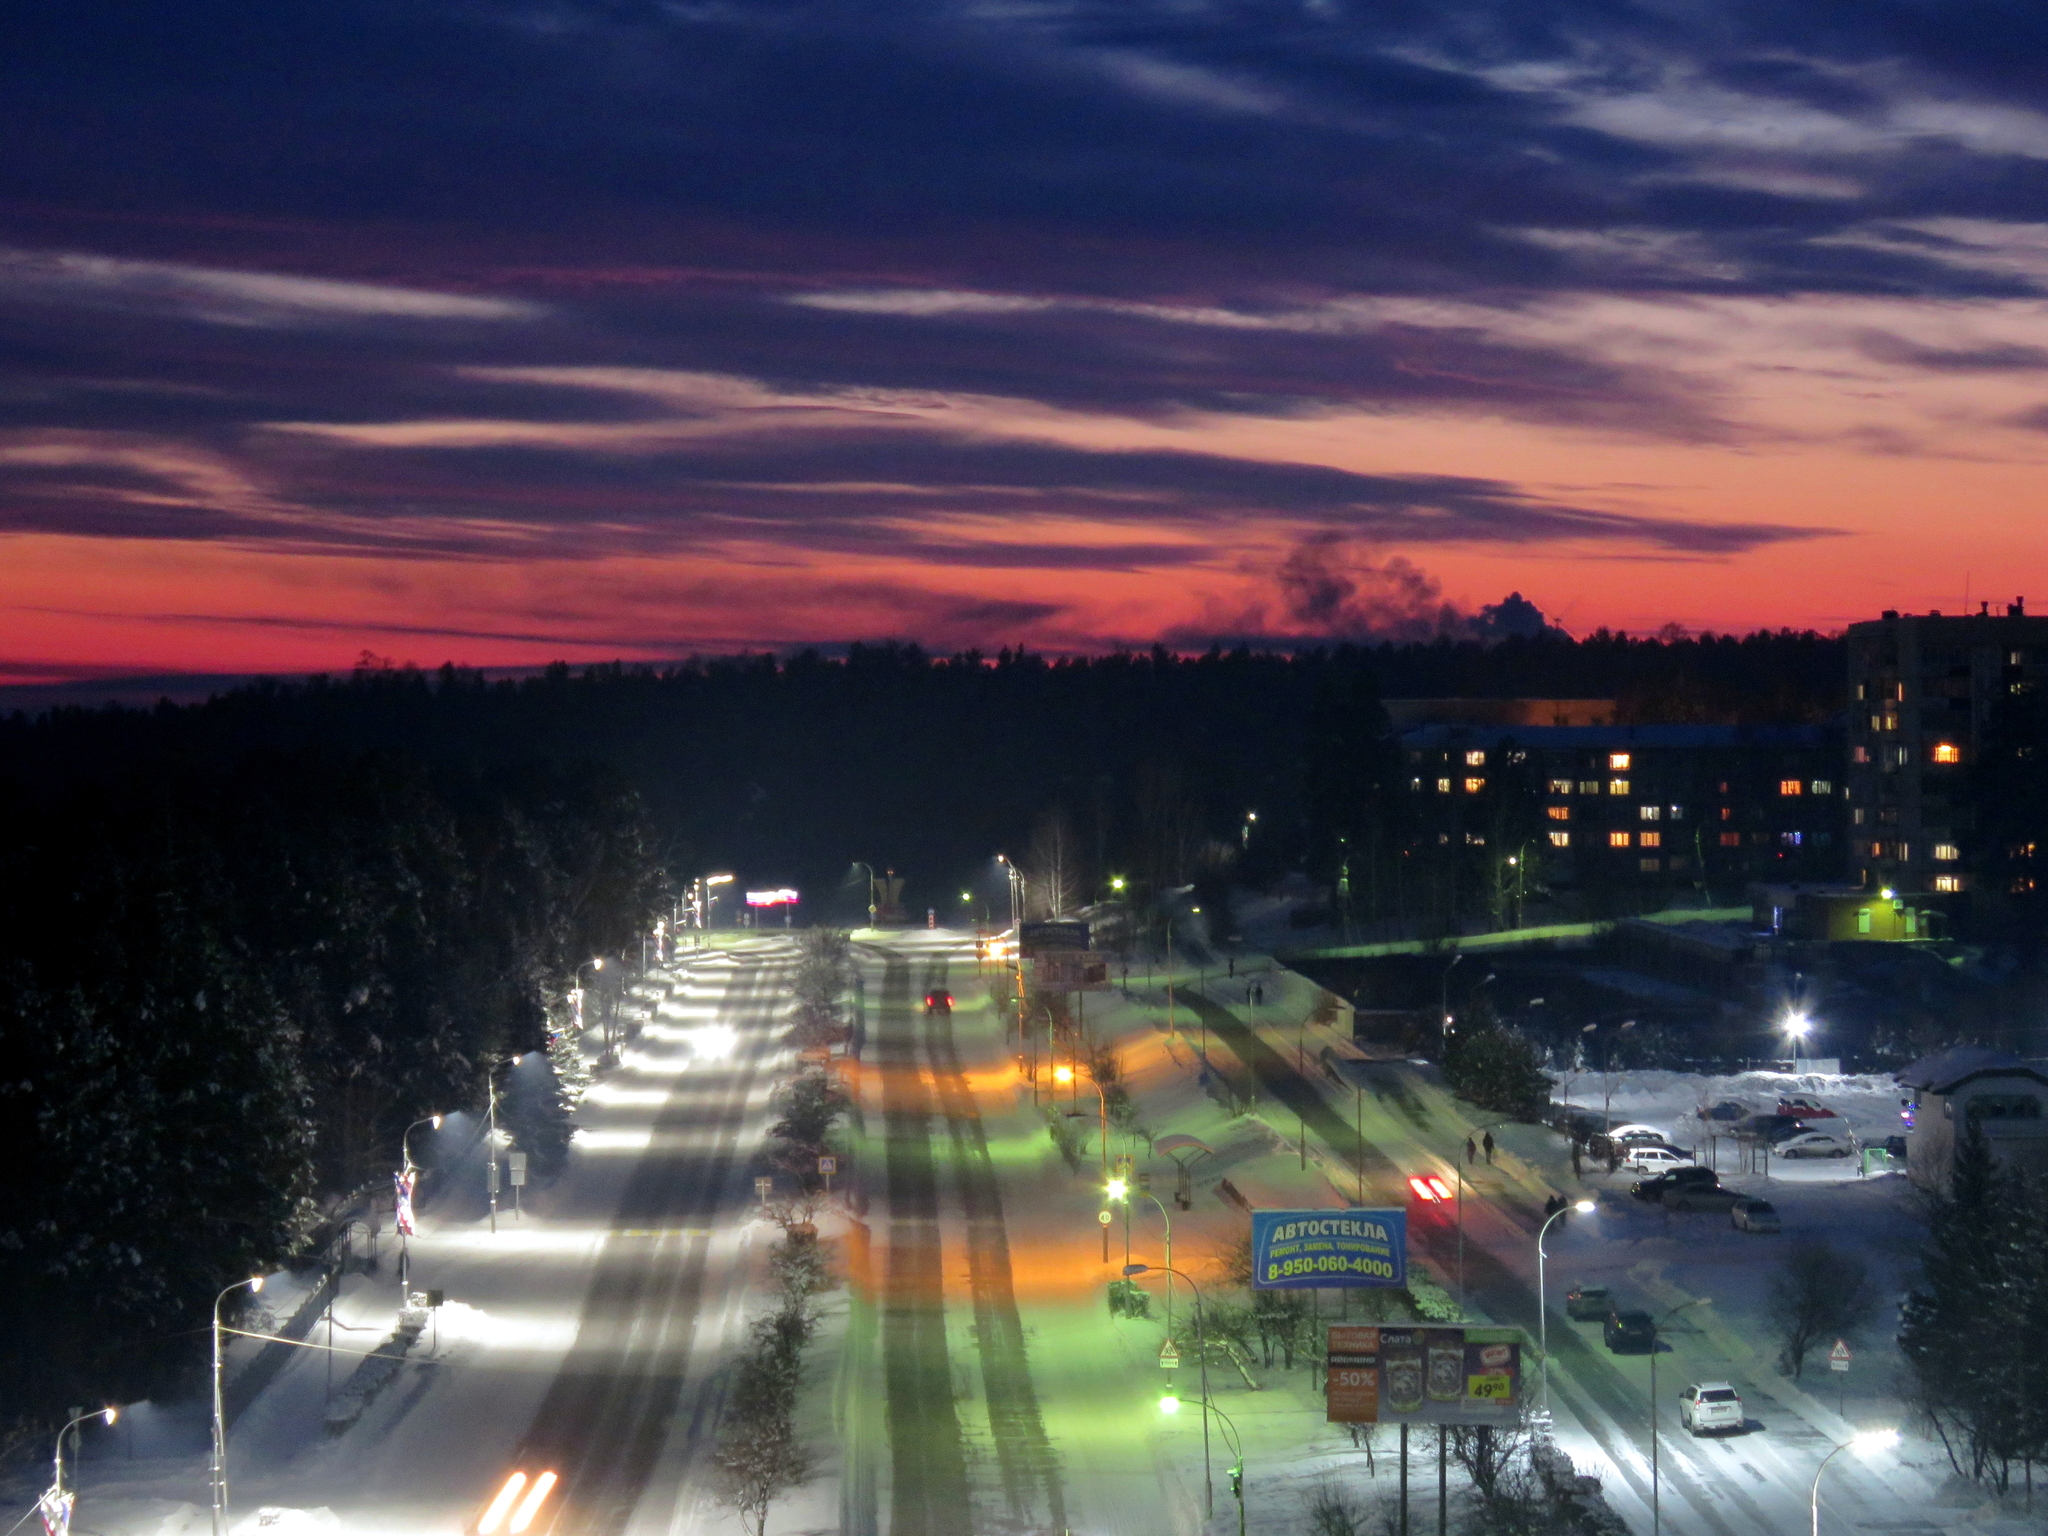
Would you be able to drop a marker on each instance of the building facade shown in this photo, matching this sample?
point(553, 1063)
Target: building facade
point(1922, 691)
point(1635, 809)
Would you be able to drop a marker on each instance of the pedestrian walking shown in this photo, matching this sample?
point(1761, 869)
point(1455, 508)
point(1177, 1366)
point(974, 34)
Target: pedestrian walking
point(1578, 1146)
point(1489, 1148)
point(1233, 967)
point(1471, 1152)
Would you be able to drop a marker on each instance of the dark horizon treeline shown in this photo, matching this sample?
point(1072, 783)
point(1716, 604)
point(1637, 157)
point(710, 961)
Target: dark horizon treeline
point(227, 990)
point(788, 771)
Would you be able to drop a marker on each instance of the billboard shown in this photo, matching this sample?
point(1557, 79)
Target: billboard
point(1063, 933)
point(781, 897)
point(1423, 1375)
point(1308, 1250)
point(1070, 970)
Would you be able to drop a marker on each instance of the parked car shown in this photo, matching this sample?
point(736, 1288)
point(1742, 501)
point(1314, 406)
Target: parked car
point(1710, 1407)
point(1772, 1128)
point(1655, 1159)
point(1629, 1333)
point(938, 1002)
point(1896, 1146)
point(1588, 1303)
point(1817, 1144)
point(1801, 1108)
point(1691, 1176)
point(1727, 1109)
point(1698, 1197)
point(1636, 1136)
point(1752, 1215)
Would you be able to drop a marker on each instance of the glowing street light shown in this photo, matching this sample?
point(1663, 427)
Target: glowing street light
point(220, 1429)
point(1584, 1208)
point(1869, 1443)
point(55, 1506)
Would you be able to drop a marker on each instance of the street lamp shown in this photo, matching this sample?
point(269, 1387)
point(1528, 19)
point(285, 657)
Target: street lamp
point(1868, 1443)
point(863, 864)
point(1121, 1191)
point(1169, 1403)
point(56, 1504)
point(1202, 1357)
point(1656, 1343)
point(1443, 1013)
point(407, 1179)
point(1584, 1208)
point(1796, 1026)
point(220, 1429)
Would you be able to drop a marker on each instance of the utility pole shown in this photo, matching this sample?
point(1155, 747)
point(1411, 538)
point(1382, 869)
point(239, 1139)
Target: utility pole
point(491, 1141)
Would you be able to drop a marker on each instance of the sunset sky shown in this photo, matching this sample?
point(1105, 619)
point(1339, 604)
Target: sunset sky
point(507, 332)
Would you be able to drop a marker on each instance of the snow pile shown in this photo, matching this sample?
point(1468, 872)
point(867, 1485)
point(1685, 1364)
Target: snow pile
point(1867, 1103)
point(272, 1520)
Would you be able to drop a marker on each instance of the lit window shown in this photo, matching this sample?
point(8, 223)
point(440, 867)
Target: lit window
point(1589, 786)
point(1649, 866)
point(1857, 816)
point(1947, 752)
point(1896, 692)
point(1948, 882)
point(1859, 754)
point(1560, 839)
point(1790, 787)
point(1678, 813)
point(1890, 723)
point(1863, 919)
point(1475, 759)
point(1731, 839)
point(1947, 853)
point(1902, 851)
point(1443, 839)
point(1617, 786)
point(1560, 786)
point(1618, 761)
point(1416, 785)
point(1473, 786)
point(1727, 813)
point(1443, 786)
point(1617, 839)
point(1791, 839)
point(1560, 813)
point(1823, 786)
point(1877, 850)
point(2015, 658)
point(1894, 757)
point(1475, 840)
point(1649, 839)
point(1650, 812)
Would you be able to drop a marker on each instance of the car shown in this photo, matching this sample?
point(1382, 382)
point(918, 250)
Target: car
point(1711, 1407)
point(938, 1001)
point(1817, 1144)
point(1691, 1176)
point(1588, 1303)
point(1772, 1129)
point(1636, 1136)
point(1727, 1109)
point(1800, 1108)
point(1629, 1333)
point(1654, 1159)
point(1752, 1215)
point(1895, 1146)
point(1698, 1197)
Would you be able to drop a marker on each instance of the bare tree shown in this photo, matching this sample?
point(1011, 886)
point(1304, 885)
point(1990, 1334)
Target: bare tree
point(1818, 1291)
point(1334, 1511)
point(1052, 866)
point(758, 1461)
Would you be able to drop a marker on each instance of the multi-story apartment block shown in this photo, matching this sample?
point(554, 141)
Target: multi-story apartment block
point(1922, 690)
point(1637, 807)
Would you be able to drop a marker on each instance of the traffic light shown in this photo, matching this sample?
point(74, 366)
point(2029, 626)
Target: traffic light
point(1237, 1483)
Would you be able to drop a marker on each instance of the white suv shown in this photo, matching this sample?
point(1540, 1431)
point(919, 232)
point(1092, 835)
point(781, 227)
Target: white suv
point(1708, 1406)
point(1654, 1160)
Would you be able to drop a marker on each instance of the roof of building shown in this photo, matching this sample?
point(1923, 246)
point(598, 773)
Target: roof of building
point(1948, 1070)
point(1604, 737)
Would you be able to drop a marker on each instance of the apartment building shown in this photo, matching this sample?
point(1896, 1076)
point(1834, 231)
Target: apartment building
point(1922, 689)
point(1644, 808)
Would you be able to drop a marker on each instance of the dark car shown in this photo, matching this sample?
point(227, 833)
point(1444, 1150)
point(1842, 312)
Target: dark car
point(938, 1002)
point(1772, 1129)
point(1699, 1197)
point(1630, 1333)
point(1588, 1303)
point(1654, 1189)
point(1727, 1109)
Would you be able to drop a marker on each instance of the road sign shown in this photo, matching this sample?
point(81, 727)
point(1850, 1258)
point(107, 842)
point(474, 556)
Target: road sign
point(828, 1166)
point(763, 1188)
point(1169, 1356)
point(1839, 1357)
point(1103, 1217)
point(518, 1160)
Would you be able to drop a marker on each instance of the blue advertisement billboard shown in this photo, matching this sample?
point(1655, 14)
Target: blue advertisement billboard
point(1306, 1250)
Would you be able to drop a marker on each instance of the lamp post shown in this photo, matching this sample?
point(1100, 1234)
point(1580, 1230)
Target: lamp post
point(1067, 1075)
point(1202, 1356)
point(1121, 1191)
point(1864, 1444)
point(220, 1430)
point(1797, 1025)
point(1169, 1403)
point(1443, 1012)
point(408, 1173)
point(1656, 1343)
point(863, 864)
point(1584, 1208)
point(58, 1495)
